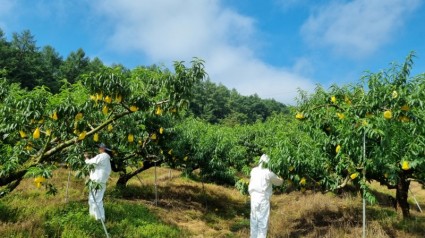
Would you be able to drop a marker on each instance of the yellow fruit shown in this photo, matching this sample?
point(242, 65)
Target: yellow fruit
point(22, 134)
point(364, 123)
point(54, 116)
point(105, 110)
point(333, 99)
point(395, 94)
point(79, 116)
point(161, 130)
point(158, 111)
point(140, 142)
point(39, 179)
point(134, 108)
point(110, 127)
point(299, 116)
point(96, 137)
point(130, 138)
point(405, 165)
point(347, 100)
point(405, 108)
point(82, 135)
point(36, 133)
point(28, 147)
point(48, 132)
point(303, 181)
point(93, 97)
point(388, 114)
point(170, 152)
point(186, 158)
point(41, 121)
point(153, 136)
point(108, 99)
point(118, 99)
point(341, 116)
point(338, 149)
point(99, 96)
point(404, 119)
point(291, 168)
point(354, 176)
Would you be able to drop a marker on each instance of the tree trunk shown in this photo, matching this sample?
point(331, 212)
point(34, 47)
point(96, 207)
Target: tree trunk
point(402, 192)
point(124, 178)
point(11, 182)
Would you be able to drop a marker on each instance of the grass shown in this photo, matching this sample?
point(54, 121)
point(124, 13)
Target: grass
point(187, 208)
point(28, 212)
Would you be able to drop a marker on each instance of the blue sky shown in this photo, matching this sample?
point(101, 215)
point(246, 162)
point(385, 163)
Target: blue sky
point(268, 47)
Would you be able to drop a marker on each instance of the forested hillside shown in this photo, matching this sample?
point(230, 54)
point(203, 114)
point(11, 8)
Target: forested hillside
point(23, 61)
point(217, 104)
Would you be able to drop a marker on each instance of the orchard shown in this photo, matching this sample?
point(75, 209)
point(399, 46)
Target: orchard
point(345, 136)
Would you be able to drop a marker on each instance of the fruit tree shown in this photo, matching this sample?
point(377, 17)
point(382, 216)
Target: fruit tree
point(385, 108)
point(40, 130)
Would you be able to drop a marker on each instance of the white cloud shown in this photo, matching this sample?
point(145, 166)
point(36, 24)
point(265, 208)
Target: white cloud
point(357, 28)
point(237, 68)
point(178, 30)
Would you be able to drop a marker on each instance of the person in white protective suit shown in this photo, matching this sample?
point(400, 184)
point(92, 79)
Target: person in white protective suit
point(260, 190)
point(99, 174)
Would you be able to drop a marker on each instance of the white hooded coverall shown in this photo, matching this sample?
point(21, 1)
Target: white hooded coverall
point(260, 190)
point(99, 174)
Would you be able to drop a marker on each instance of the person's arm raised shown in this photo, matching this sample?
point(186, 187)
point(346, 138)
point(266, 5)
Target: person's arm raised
point(94, 160)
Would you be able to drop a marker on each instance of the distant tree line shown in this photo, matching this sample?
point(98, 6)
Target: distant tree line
point(23, 62)
point(218, 104)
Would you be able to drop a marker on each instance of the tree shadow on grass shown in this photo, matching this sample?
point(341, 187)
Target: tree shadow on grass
point(319, 222)
point(413, 225)
point(188, 197)
point(8, 214)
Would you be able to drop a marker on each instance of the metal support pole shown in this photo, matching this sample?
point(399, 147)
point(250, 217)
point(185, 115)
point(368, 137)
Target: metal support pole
point(169, 173)
point(364, 181)
point(156, 188)
point(98, 210)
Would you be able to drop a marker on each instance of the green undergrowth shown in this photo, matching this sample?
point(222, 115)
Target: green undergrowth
point(21, 216)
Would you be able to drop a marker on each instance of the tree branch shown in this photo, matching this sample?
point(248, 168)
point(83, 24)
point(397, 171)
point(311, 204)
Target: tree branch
point(69, 142)
point(344, 183)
